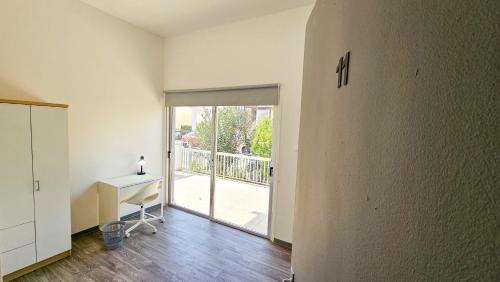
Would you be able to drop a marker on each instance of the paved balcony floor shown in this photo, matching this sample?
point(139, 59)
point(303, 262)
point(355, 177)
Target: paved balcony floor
point(239, 203)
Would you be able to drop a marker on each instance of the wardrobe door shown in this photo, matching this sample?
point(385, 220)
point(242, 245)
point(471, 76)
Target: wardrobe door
point(16, 180)
point(50, 171)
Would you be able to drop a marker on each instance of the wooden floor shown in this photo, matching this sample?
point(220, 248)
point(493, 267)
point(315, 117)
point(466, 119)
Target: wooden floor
point(186, 248)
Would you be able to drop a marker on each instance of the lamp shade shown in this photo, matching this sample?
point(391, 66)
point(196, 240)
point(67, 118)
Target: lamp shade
point(142, 161)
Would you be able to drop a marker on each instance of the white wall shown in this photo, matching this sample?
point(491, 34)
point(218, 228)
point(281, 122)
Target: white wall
point(398, 171)
point(109, 73)
point(263, 50)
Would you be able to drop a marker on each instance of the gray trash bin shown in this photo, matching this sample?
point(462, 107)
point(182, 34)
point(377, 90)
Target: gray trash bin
point(113, 234)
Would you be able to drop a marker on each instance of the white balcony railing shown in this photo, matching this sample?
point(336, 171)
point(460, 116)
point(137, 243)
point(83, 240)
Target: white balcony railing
point(232, 166)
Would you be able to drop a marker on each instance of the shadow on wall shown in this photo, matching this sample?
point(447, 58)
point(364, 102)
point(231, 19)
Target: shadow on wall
point(11, 92)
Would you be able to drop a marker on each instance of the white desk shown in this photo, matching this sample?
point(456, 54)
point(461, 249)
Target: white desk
point(113, 190)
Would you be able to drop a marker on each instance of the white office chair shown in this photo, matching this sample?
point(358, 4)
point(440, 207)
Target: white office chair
point(145, 195)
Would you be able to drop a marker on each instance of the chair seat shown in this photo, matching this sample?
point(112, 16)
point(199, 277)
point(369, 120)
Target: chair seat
point(141, 201)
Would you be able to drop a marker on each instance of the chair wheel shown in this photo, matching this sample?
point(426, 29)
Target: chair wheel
point(127, 235)
point(162, 220)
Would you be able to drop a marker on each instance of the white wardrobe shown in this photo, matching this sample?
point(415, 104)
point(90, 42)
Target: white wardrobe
point(34, 190)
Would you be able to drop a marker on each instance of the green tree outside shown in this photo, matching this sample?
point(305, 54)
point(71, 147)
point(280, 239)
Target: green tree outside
point(262, 142)
point(204, 129)
point(235, 129)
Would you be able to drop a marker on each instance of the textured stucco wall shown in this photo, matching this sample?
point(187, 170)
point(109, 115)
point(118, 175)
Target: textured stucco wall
point(398, 175)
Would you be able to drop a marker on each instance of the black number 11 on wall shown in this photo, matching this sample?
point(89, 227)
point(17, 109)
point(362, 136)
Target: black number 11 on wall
point(343, 69)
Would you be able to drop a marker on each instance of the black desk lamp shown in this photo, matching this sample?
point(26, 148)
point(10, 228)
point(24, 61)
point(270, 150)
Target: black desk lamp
point(141, 162)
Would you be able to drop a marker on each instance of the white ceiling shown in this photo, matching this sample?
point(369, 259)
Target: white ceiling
point(172, 17)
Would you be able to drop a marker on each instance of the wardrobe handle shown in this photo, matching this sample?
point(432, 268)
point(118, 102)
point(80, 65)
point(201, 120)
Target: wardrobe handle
point(37, 185)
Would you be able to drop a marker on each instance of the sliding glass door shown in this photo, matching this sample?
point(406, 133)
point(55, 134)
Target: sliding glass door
point(232, 185)
point(242, 183)
point(191, 158)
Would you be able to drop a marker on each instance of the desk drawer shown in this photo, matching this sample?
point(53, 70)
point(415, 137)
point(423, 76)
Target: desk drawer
point(17, 236)
point(18, 258)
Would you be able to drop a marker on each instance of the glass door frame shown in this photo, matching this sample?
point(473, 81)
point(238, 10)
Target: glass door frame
point(210, 216)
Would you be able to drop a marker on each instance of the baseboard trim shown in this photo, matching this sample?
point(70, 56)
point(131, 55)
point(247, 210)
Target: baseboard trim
point(38, 265)
point(124, 218)
point(84, 232)
point(282, 243)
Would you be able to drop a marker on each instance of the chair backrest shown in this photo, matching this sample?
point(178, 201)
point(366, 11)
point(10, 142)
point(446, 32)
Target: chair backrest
point(146, 194)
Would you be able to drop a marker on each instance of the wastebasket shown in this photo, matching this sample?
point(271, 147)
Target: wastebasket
point(113, 234)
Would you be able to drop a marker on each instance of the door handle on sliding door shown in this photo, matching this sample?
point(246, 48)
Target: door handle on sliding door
point(37, 185)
